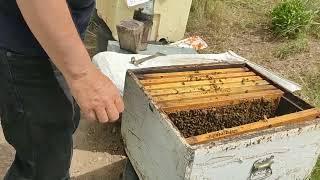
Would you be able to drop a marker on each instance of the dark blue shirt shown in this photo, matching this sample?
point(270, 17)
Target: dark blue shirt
point(16, 36)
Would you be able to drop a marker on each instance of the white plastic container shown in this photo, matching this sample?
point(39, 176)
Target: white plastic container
point(170, 17)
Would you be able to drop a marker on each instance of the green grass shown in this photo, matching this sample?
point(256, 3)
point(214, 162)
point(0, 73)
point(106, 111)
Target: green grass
point(290, 18)
point(220, 20)
point(316, 172)
point(311, 83)
point(314, 5)
point(315, 28)
point(292, 47)
point(311, 87)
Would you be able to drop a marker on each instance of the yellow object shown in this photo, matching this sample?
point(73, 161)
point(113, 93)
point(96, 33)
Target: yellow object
point(170, 17)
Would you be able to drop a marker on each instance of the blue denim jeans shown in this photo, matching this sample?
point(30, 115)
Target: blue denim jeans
point(38, 117)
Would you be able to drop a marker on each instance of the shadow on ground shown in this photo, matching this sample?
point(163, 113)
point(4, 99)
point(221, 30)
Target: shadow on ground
point(96, 137)
point(109, 172)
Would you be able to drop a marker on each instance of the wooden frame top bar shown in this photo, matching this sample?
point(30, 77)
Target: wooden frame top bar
point(178, 88)
point(297, 117)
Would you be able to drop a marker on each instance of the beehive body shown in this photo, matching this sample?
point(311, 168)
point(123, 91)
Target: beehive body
point(295, 152)
point(158, 150)
point(155, 148)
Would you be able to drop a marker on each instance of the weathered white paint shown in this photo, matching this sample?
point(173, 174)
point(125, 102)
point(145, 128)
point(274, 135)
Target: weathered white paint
point(158, 152)
point(170, 17)
point(295, 153)
point(154, 148)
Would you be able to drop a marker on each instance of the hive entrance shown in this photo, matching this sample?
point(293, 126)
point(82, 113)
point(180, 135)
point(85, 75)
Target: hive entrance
point(204, 101)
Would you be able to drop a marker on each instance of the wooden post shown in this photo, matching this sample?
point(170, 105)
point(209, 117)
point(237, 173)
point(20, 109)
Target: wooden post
point(148, 23)
point(130, 34)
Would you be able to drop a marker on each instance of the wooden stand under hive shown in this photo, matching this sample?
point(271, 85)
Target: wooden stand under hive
point(216, 121)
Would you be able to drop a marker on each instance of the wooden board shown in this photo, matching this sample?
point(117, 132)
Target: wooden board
point(188, 73)
point(295, 149)
point(187, 78)
point(201, 94)
point(204, 88)
point(139, 119)
point(263, 124)
point(130, 34)
point(205, 81)
point(218, 101)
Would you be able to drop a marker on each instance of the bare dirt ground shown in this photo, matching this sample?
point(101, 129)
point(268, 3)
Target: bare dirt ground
point(243, 26)
point(98, 153)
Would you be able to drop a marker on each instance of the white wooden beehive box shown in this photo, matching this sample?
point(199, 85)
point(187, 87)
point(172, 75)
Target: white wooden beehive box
point(284, 146)
point(169, 22)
